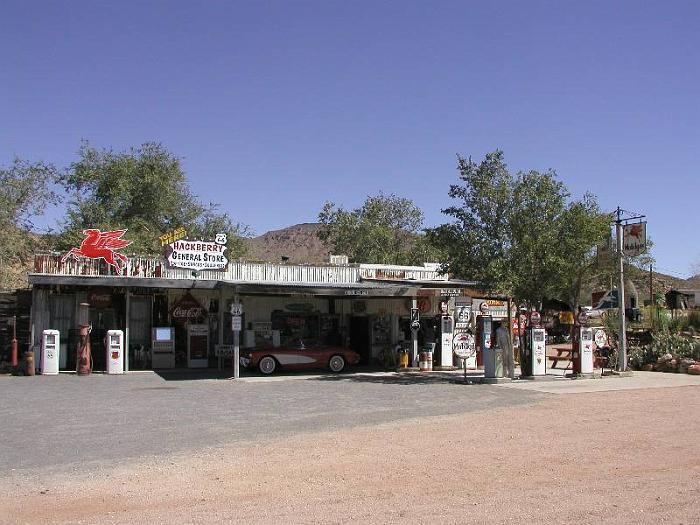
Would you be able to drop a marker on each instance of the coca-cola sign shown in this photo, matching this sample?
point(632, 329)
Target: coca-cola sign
point(187, 309)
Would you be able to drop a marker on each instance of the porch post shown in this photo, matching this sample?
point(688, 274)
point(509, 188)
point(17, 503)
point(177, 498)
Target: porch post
point(222, 305)
point(236, 348)
point(126, 330)
point(414, 336)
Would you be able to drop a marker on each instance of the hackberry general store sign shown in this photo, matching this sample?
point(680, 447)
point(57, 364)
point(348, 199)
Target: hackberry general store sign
point(197, 255)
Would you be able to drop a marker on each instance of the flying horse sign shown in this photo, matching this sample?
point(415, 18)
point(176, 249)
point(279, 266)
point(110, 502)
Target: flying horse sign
point(102, 245)
point(198, 255)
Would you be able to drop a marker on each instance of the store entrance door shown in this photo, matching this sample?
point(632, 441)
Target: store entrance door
point(359, 338)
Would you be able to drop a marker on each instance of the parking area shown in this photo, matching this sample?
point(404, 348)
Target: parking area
point(55, 422)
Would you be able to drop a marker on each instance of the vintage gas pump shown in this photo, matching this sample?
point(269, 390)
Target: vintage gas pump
point(50, 345)
point(534, 352)
point(84, 358)
point(114, 347)
point(484, 329)
point(582, 348)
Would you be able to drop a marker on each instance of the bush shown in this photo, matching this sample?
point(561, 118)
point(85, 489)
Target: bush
point(676, 345)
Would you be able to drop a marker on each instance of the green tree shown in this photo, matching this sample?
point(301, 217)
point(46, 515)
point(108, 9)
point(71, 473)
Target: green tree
point(145, 190)
point(518, 234)
point(583, 227)
point(26, 189)
point(386, 229)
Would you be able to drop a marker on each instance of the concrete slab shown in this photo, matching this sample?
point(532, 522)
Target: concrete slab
point(640, 380)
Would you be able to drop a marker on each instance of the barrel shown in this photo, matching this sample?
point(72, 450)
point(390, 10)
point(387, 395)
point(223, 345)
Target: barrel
point(425, 361)
point(29, 362)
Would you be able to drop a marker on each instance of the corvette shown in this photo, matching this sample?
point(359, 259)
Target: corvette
point(298, 355)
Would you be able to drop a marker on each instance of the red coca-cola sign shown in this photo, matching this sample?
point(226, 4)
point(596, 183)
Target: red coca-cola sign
point(187, 309)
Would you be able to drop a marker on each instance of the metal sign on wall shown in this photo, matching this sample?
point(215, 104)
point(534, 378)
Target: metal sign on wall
point(198, 255)
point(634, 238)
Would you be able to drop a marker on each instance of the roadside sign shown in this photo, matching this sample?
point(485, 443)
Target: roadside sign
point(484, 308)
point(236, 324)
point(415, 325)
point(634, 238)
point(415, 318)
point(582, 318)
point(600, 338)
point(463, 345)
point(236, 309)
point(535, 318)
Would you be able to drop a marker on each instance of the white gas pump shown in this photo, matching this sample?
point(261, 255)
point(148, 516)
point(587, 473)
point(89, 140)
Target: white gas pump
point(584, 366)
point(114, 347)
point(50, 350)
point(446, 341)
point(537, 345)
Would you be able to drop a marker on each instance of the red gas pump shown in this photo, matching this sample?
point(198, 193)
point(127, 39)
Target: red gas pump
point(14, 342)
point(84, 351)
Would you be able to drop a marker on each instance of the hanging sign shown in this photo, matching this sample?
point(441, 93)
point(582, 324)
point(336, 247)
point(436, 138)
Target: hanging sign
point(102, 245)
point(198, 255)
point(634, 238)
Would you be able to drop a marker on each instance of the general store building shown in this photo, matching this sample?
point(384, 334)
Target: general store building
point(364, 306)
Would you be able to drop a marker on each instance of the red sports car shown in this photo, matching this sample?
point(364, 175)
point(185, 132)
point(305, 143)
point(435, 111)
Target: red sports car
point(298, 355)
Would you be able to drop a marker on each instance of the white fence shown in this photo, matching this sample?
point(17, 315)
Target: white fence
point(144, 267)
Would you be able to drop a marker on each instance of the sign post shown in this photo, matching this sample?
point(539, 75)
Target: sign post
point(236, 325)
point(415, 326)
point(464, 348)
point(631, 240)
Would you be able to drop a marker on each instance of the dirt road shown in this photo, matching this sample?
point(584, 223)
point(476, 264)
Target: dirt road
point(608, 457)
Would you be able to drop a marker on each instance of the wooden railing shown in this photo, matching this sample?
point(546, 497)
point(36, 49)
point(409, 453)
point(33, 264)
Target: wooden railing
point(146, 267)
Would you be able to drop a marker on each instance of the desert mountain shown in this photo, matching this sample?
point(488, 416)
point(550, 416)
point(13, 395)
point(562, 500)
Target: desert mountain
point(300, 243)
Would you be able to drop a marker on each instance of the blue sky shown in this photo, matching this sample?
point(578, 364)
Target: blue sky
point(278, 106)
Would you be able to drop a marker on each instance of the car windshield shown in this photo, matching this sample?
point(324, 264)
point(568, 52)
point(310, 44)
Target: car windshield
point(303, 344)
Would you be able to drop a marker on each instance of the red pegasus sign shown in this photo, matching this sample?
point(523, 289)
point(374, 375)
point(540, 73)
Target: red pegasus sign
point(102, 245)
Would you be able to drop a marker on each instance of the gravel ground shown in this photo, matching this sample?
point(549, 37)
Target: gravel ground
point(604, 457)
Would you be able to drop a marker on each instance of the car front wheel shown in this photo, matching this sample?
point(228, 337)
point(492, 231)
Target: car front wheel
point(337, 363)
point(267, 365)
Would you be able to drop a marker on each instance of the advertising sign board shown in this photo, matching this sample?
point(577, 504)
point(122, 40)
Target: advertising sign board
point(197, 255)
point(634, 238)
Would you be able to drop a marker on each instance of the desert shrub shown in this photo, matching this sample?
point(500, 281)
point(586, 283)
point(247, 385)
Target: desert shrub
point(693, 320)
point(666, 342)
point(638, 356)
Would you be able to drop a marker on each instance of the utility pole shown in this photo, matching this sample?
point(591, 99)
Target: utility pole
point(651, 293)
point(622, 354)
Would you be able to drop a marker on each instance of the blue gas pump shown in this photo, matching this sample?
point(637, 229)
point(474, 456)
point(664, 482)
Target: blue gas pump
point(484, 329)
